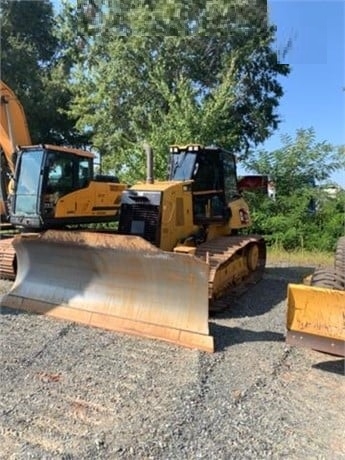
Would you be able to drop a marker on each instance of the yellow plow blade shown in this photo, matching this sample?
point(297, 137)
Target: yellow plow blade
point(116, 282)
point(316, 318)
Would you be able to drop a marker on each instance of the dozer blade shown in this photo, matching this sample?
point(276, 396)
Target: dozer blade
point(316, 318)
point(116, 282)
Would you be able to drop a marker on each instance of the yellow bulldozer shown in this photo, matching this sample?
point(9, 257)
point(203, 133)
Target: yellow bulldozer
point(180, 246)
point(316, 309)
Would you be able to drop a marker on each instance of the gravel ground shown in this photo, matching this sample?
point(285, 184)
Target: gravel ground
point(72, 392)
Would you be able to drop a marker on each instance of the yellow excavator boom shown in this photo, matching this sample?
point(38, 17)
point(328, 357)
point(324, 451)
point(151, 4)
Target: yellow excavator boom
point(13, 124)
point(13, 131)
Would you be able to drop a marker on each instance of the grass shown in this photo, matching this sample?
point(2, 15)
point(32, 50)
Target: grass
point(300, 258)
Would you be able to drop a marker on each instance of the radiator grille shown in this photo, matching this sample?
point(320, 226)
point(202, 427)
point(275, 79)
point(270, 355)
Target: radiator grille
point(142, 220)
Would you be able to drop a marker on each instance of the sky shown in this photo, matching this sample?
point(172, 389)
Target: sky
point(315, 88)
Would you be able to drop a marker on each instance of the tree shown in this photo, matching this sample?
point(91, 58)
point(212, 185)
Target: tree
point(303, 214)
point(31, 66)
point(168, 72)
point(300, 163)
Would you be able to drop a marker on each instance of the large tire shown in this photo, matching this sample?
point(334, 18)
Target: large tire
point(339, 260)
point(327, 278)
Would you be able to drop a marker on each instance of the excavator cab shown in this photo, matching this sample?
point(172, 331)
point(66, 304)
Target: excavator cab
point(55, 187)
point(43, 176)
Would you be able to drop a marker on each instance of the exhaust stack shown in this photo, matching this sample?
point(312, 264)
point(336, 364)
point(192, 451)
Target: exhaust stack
point(149, 163)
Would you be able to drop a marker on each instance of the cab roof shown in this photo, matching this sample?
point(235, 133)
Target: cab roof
point(59, 148)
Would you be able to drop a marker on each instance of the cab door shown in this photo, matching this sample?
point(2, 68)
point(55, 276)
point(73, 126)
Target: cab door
point(209, 202)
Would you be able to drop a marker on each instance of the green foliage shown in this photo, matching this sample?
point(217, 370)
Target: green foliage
point(170, 72)
point(31, 65)
point(27, 47)
point(299, 163)
point(303, 215)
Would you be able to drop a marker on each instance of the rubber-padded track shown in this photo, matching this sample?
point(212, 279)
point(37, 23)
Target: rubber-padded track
point(229, 271)
point(8, 264)
point(339, 260)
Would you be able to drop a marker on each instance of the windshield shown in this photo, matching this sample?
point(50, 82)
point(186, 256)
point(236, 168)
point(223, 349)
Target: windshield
point(182, 165)
point(28, 182)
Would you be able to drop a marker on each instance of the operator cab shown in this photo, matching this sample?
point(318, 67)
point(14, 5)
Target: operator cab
point(43, 175)
point(213, 171)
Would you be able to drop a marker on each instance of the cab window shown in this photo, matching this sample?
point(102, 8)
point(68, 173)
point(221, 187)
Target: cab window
point(67, 173)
